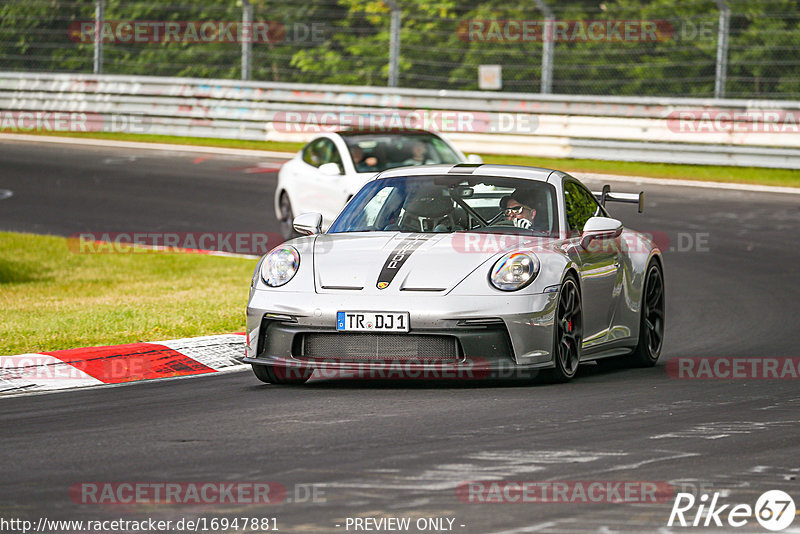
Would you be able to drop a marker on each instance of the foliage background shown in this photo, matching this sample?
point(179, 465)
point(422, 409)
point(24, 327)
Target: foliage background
point(353, 46)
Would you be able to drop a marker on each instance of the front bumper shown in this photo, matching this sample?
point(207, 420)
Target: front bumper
point(492, 333)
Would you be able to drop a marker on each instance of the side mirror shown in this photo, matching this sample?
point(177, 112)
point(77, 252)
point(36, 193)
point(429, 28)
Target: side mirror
point(600, 228)
point(474, 158)
point(330, 169)
point(308, 223)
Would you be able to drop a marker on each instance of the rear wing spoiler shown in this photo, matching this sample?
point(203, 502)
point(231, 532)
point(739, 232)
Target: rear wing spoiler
point(630, 198)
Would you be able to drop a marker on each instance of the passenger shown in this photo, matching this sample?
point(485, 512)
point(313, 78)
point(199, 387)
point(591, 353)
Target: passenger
point(418, 155)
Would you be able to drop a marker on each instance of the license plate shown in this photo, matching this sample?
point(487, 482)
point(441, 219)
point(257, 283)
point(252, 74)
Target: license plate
point(372, 321)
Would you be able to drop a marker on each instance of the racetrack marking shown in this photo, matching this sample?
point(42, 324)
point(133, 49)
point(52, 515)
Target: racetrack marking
point(261, 170)
point(100, 385)
point(120, 364)
point(131, 362)
point(121, 159)
point(485, 465)
point(637, 465)
point(221, 353)
point(6, 193)
point(28, 372)
point(147, 146)
point(720, 430)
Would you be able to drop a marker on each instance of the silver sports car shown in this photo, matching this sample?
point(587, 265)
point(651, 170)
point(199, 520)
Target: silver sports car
point(458, 270)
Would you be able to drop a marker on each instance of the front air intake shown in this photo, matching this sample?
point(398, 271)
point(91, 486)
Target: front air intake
point(378, 347)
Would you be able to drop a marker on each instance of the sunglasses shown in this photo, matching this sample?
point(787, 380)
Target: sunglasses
point(514, 211)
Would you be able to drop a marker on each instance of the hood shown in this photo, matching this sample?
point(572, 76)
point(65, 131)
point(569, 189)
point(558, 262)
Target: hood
point(425, 263)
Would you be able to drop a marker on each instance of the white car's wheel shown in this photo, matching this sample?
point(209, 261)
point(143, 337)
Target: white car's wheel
point(286, 217)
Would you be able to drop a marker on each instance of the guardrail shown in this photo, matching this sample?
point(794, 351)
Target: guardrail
point(701, 131)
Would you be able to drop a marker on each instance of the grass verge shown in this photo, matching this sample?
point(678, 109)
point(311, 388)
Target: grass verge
point(745, 175)
point(52, 298)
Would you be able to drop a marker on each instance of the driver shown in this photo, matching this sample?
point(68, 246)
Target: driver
point(517, 208)
point(361, 163)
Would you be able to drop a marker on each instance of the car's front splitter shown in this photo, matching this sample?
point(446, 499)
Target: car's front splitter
point(495, 335)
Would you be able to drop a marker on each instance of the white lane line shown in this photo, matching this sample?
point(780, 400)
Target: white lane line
point(147, 146)
point(6, 193)
point(28, 393)
point(636, 465)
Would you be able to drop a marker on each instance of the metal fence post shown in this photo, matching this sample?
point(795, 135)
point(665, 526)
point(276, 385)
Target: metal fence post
point(247, 39)
point(394, 42)
point(548, 43)
point(99, 17)
point(722, 48)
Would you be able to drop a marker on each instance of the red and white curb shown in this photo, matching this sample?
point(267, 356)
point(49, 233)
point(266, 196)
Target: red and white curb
point(118, 364)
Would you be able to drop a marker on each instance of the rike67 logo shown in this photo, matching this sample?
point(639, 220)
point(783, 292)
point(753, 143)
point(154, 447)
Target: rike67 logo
point(774, 510)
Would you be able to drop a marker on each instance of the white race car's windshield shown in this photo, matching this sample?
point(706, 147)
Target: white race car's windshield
point(443, 204)
point(374, 152)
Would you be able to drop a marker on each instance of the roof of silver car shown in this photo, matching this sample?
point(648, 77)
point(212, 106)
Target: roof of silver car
point(478, 169)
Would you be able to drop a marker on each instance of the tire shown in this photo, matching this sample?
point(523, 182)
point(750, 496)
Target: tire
point(567, 332)
point(286, 217)
point(651, 322)
point(270, 374)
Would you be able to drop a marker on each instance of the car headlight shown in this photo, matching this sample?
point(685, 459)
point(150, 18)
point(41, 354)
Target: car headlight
point(514, 271)
point(280, 265)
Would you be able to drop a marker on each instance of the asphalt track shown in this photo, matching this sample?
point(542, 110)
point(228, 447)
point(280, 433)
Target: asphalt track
point(399, 449)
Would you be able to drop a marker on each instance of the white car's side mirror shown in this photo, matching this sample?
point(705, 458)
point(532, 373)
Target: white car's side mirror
point(600, 228)
point(308, 223)
point(330, 169)
point(474, 158)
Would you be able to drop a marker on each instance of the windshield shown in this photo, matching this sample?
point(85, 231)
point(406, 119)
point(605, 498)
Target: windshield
point(377, 152)
point(442, 204)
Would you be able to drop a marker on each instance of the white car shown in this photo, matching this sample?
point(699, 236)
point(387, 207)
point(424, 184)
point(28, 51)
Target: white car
point(332, 167)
